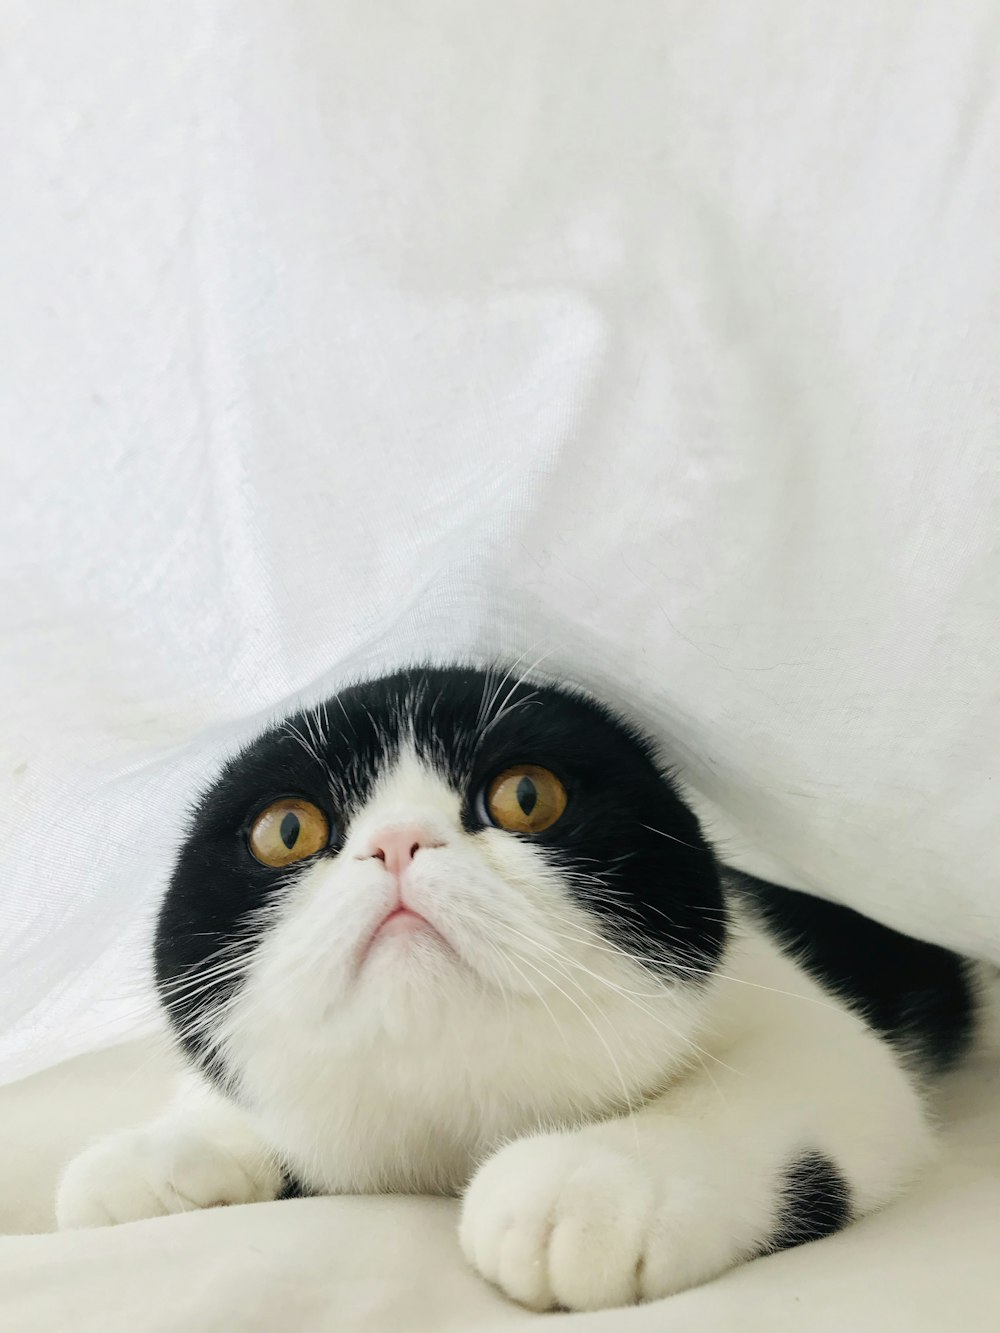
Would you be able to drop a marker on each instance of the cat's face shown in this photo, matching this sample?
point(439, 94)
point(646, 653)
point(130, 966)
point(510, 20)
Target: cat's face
point(435, 853)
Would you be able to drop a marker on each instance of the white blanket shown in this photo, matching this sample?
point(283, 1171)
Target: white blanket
point(392, 1265)
point(658, 341)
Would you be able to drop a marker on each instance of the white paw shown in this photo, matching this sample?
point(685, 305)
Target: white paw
point(559, 1220)
point(157, 1170)
point(588, 1220)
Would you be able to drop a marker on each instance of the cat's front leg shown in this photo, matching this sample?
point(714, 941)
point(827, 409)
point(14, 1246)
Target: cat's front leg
point(202, 1152)
point(784, 1144)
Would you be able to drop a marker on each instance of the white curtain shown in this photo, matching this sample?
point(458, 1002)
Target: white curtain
point(656, 345)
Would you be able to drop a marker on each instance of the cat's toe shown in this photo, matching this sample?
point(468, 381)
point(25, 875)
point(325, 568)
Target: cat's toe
point(557, 1221)
point(139, 1174)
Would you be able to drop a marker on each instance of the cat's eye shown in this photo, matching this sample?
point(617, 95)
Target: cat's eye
point(525, 799)
point(288, 831)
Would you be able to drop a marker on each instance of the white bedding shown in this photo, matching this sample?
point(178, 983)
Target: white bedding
point(659, 341)
point(927, 1264)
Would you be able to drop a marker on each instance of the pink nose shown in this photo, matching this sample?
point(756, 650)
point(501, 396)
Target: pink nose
point(397, 847)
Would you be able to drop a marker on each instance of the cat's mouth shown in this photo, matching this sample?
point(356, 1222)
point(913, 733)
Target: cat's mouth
point(400, 925)
point(402, 920)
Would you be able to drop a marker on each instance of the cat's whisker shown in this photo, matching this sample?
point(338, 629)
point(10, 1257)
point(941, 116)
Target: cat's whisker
point(486, 710)
point(670, 962)
point(541, 998)
point(506, 708)
point(297, 736)
point(630, 996)
point(672, 837)
point(626, 1096)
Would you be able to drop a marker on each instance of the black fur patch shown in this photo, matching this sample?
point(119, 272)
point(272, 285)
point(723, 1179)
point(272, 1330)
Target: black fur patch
point(916, 994)
point(294, 1189)
point(631, 849)
point(817, 1202)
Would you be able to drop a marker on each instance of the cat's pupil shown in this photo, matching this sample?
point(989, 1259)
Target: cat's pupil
point(289, 830)
point(527, 795)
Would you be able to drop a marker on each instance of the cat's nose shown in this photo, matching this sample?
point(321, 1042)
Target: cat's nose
point(397, 847)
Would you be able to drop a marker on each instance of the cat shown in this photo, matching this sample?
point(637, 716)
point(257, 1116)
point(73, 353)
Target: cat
point(457, 933)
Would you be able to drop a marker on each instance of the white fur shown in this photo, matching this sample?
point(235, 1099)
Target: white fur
point(201, 1152)
point(617, 1137)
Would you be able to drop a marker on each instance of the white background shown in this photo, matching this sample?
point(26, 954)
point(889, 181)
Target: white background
point(658, 340)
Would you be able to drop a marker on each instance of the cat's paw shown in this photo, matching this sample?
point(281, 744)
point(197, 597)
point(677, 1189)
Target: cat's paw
point(560, 1220)
point(609, 1215)
point(157, 1170)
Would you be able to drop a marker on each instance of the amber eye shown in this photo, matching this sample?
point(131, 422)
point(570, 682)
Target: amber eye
point(525, 799)
point(288, 831)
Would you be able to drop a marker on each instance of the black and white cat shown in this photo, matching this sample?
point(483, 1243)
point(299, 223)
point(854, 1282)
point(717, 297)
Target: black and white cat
point(454, 934)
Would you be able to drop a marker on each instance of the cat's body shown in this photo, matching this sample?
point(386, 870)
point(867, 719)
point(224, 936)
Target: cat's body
point(452, 933)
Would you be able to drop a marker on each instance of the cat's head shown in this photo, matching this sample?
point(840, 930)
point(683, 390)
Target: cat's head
point(429, 847)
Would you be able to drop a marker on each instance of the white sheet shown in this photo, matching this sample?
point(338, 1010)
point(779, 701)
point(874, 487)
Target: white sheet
point(392, 1265)
point(659, 341)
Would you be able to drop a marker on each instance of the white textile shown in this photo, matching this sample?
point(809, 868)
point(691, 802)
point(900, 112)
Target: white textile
point(659, 341)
